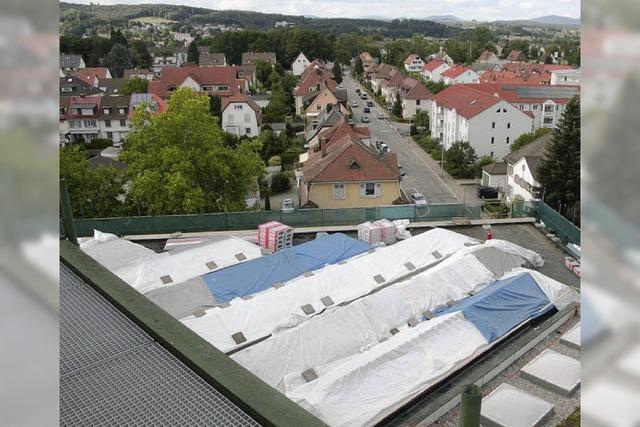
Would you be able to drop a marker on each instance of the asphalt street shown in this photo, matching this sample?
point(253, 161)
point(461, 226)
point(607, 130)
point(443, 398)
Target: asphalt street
point(419, 176)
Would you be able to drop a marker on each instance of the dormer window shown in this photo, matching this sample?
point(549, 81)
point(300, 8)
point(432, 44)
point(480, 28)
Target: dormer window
point(354, 165)
point(122, 111)
point(107, 111)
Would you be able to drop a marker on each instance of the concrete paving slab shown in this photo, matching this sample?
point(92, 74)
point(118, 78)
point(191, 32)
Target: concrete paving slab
point(553, 371)
point(572, 337)
point(508, 406)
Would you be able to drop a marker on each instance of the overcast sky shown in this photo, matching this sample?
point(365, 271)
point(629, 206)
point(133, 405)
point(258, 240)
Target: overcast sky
point(486, 10)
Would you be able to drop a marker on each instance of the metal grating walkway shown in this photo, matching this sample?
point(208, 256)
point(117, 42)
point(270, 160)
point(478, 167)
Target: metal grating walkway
point(112, 373)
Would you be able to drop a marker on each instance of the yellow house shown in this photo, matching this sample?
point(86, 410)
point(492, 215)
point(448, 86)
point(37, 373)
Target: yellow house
point(349, 173)
point(320, 102)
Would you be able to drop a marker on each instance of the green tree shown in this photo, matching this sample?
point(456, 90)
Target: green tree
point(179, 163)
point(337, 72)
point(263, 72)
point(135, 85)
point(397, 106)
point(139, 54)
point(358, 67)
point(528, 137)
point(559, 171)
point(279, 106)
point(422, 119)
point(193, 54)
point(215, 106)
point(117, 60)
point(459, 160)
point(94, 193)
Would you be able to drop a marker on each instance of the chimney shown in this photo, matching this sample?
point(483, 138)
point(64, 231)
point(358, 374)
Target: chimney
point(323, 146)
point(381, 155)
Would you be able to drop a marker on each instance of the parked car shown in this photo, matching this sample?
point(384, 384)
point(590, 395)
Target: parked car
point(389, 108)
point(367, 110)
point(365, 119)
point(487, 193)
point(287, 205)
point(401, 170)
point(418, 199)
point(351, 122)
point(369, 103)
point(383, 148)
point(357, 90)
point(354, 104)
point(364, 95)
point(380, 116)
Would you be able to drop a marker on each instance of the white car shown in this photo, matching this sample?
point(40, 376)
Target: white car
point(380, 116)
point(418, 199)
point(287, 205)
point(354, 104)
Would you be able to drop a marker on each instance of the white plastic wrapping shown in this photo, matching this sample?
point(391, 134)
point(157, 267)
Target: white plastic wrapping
point(362, 390)
point(348, 330)
point(276, 309)
point(143, 268)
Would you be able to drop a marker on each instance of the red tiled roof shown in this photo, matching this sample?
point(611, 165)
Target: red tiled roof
point(172, 76)
point(455, 71)
point(411, 58)
point(433, 64)
point(89, 74)
point(315, 78)
point(418, 91)
point(509, 92)
point(467, 102)
point(486, 55)
point(335, 165)
point(75, 100)
point(239, 98)
point(516, 55)
point(341, 129)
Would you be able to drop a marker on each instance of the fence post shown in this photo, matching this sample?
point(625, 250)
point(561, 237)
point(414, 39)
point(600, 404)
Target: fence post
point(67, 213)
point(470, 406)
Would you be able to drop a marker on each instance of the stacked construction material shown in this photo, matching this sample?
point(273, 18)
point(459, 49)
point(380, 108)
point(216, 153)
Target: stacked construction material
point(381, 231)
point(572, 264)
point(388, 230)
point(275, 236)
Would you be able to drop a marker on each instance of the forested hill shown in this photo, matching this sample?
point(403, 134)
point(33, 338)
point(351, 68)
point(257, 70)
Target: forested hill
point(77, 18)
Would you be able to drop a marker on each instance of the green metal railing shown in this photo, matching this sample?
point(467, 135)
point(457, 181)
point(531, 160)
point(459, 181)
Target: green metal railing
point(250, 220)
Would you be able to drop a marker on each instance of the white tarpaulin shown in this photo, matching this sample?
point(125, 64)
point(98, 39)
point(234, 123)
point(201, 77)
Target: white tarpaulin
point(348, 330)
point(284, 307)
point(364, 388)
point(146, 270)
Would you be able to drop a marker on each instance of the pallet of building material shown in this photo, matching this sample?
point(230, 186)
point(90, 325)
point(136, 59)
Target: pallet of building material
point(460, 220)
point(388, 230)
point(577, 270)
point(275, 236)
point(369, 232)
point(570, 262)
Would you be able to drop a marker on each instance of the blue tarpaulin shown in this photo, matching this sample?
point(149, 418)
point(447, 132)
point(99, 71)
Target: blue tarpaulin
point(503, 305)
point(258, 274)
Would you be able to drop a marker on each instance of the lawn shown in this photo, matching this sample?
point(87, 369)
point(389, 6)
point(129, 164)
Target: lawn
point(572, 421)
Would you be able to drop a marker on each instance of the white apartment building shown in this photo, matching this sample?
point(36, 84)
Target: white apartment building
point(413, 63)
point(490, 124)
point(240, 115)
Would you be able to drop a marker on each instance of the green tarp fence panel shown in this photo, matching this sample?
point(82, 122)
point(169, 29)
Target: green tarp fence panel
point(251, 220)
point(563, 228)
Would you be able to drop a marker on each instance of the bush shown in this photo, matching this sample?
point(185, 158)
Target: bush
point(99, 143)
point(275, 161)
point(280, 182)
point(413, 130)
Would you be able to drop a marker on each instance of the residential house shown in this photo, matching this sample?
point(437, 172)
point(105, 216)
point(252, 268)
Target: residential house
point(73, 86)
point(262, 99)
point(459, 74)
point(516, 56)
point(433, 70)
point(523, 73)
point(328, 118)
point(185, 38)
point(379, 74)
point(441, 55)
point(141, 73)
point(390, 87)
point(545, 103)
point(82, 114)
point(221, 81)
point(413, 63)
point(299, 64)
point(565, 77)
point(416, 98)
point(240, 115)
point(489, 123)
point(112, 87)
point(521, 170)
point(335, 126)
point(70, 63)
point(494, 175)
point(311, 82)
point(488, 57)
point(152, 103)
point(113, 118)
point(213, 60)
point(348, 173)
point(254, 57)
point(247, 72)
point(164, 57)
point(321, 99)
point(93, 75)
point(366, 59)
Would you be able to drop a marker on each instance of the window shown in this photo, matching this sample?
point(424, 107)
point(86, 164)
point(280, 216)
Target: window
point(548, 108)
point(66, 89)
point(354, 165)
point(508, 140)
point(535, 107)
point(318, 107)
point(122, 111)
point(417, 102)
point(370, 189)
point(237, 106)
point(493, 139)
point(110, 135)
point(493, 125)
point(107, 110)
point(123, 122)
point(508, 125)
point(492, 154)
point(247, 131)
point(107, 123)
point(338, 192)
point(89, 123)
point(504, 110)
